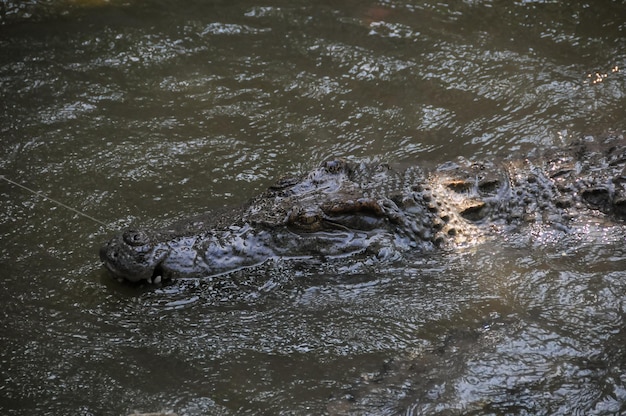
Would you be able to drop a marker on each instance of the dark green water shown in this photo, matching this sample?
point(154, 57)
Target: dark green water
point(146, 112)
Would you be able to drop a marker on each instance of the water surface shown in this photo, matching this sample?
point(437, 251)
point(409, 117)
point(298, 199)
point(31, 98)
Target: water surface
point(143, 113)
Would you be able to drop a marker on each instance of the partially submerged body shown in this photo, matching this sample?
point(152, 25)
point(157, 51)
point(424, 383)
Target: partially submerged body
point(343, 207)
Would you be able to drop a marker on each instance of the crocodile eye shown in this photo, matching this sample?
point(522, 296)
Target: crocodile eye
point(135, 238)
point(597, 197)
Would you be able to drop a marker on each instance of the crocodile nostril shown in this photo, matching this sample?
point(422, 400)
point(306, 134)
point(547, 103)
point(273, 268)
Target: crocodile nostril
point(135, 238)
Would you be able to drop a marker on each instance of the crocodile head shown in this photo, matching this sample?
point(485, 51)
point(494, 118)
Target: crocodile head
point(134, 256)
point(337, 209)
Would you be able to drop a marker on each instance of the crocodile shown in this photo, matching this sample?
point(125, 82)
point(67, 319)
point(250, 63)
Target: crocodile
point(345, 207)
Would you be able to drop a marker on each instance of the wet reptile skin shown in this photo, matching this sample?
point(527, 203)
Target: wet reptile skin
point(344, 207)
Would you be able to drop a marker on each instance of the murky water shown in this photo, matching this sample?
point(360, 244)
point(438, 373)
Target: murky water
point(147, 112)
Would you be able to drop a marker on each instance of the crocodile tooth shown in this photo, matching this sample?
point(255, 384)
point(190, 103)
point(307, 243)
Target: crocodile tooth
point(149, 279)
point(157, 280)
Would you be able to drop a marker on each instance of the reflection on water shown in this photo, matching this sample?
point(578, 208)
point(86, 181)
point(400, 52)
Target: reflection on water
point(147, 112)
